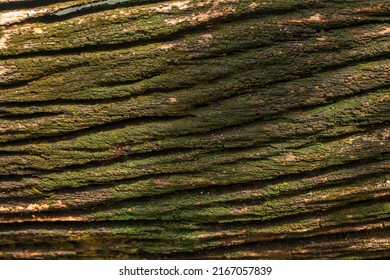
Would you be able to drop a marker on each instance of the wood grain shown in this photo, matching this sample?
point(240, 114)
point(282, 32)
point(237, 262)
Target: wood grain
point(194, 129)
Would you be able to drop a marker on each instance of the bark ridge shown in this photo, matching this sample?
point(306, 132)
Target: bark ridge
point(194, 129)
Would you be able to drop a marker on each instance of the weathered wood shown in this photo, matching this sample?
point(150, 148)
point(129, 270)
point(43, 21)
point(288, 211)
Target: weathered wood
point(194, 129)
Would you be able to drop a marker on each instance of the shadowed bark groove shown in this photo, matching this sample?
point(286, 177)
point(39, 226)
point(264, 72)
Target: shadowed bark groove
point(194, 129)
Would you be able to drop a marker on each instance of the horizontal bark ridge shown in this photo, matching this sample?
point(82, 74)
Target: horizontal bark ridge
point(194, 129)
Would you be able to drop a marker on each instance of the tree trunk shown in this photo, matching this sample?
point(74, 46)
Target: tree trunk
point(194, 129)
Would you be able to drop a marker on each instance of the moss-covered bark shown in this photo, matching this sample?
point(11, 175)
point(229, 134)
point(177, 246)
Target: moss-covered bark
point(194, 129)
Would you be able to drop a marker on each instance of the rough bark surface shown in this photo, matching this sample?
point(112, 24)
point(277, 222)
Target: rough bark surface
point(194, 129)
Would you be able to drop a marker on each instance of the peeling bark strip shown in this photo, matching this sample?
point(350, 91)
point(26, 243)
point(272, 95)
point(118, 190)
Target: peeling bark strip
point(194, 129)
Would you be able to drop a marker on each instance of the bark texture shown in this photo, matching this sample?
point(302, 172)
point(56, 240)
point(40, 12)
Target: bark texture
point(194, 129)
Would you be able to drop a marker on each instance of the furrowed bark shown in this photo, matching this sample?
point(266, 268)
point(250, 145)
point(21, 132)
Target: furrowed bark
point(194, 129)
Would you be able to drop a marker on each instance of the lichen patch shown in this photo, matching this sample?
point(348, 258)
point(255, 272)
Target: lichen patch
point(203, 17)
point(5, 71)
point(316, 18)
point(16, 16)
point(289, 158)
point(38, 31)
point(59, 204)
point(4, 209)
point(207, 36)
point(166, 46)
point(384, 31)
point(370, 9)
point(322, 38)
point(181, 5)
point(253, 5)
point(3, 41)
point(37, 207)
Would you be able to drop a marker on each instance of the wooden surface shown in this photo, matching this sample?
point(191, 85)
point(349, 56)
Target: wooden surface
point(194, 129)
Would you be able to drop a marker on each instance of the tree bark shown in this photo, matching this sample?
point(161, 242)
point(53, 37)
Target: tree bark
point(194, 129)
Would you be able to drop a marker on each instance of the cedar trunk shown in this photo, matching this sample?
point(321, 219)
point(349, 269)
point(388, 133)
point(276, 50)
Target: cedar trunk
point(194, 129)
